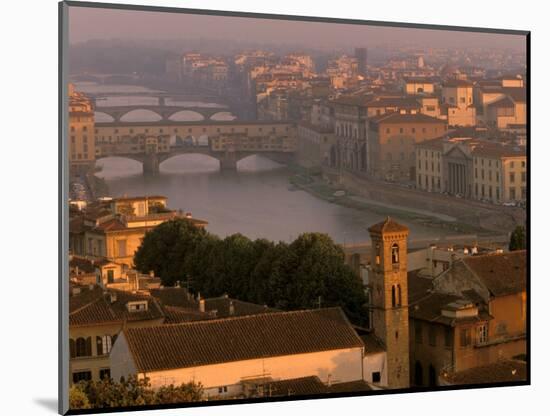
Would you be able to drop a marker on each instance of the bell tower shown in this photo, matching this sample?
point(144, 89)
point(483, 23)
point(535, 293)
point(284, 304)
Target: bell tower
point(389, 300)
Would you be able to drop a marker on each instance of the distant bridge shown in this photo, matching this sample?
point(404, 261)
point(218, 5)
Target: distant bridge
point(163, 111)
point(228, 142)
point(228, 159)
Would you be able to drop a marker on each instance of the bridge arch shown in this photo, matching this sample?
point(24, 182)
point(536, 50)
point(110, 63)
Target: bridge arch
point(186, 115)
point(140, 114)
point(115, 166)
point(102, 117)
point(223, 115)
point(188, 162)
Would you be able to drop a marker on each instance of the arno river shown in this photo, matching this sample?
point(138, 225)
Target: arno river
point(256, 201)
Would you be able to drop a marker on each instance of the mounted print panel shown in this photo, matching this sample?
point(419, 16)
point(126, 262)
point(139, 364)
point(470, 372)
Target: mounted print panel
point(265, 208)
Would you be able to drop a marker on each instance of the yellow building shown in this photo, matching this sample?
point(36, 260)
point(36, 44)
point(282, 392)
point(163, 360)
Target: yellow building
point(96, 317)
point(500, 174)
point(81, 131)
point(458, 103)
point(472, 168)
point(115, 229)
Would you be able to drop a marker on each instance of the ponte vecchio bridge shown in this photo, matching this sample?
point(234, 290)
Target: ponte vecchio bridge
point(151, 143)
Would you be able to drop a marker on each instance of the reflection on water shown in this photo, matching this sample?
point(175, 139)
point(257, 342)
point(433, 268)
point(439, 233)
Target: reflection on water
point(255, 201)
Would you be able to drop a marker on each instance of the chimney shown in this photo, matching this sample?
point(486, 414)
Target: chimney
point(202, 305)
point(188, 215)
point(112, 297)
point(231, 308)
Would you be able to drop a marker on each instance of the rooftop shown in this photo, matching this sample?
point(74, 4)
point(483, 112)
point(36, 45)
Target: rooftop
point(388, 226)
point(502, 273)
point(240, 338)
point(499, 372)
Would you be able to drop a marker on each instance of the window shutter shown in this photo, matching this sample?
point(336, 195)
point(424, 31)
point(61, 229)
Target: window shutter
point(72, 348)
point(99, 346)
point(89, 346)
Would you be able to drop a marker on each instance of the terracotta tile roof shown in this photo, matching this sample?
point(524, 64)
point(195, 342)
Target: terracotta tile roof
point(399, 102)
point(93, 307)
point(518, 95)
point(84, 265)
point(398, 118)
point(501, 273)
point(388, 226)
point(294, 387)
point(498, 372)
point(176, 315)
point(503, 102)
point(240, 338)
point(418, 286)
point(222, 307)
point(304, 386)
point(372, 344)
point(114, 224)
point(349, 387)
point(175, 296)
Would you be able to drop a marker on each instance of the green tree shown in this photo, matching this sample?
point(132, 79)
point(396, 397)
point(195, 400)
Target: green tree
point(165, 249)
point(78, 399)
point(130, 392)
point(518, 239)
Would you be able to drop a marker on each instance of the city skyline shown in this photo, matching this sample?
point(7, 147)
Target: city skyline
point(90, 24)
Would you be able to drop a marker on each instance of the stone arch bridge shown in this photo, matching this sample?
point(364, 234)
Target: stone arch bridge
point(164, 111)
point(228, 159)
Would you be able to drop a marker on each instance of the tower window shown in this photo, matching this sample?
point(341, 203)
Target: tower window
point(395, 253)
point(393, 300)
point(398, 295)
point(377, 258)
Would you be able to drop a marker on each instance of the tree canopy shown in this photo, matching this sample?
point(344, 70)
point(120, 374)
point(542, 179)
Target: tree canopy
point(307, 273)
point(518, 239)
point(131, 392)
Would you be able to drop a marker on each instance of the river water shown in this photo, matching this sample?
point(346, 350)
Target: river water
point(256, 200)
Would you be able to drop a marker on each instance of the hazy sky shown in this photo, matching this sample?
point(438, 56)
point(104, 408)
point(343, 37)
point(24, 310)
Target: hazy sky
point(88, 23)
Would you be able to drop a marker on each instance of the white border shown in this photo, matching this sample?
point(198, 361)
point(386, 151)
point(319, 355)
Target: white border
point(29, 203)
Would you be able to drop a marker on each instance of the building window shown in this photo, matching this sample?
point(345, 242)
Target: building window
point(418, 332)
point(512, 193)
point(482, 333)
point(121, 248)
point(82, 376)
point(398, 295)
point(523, 176)
point(377, 259)
point(448, 337)
point(105, 373)
point(104, 344)
point(395, 253)
point(110, 276)
point(222, 389)
point(393, 297)
point(432, 336)
point(465, 337)
point(83, 347)
point(376, 377)
point(512, 177)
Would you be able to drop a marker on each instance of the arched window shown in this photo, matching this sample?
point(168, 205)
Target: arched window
point(393, 300)
point(398, 295)
point(83, 347)
point(395, 253)
point(377, 254)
